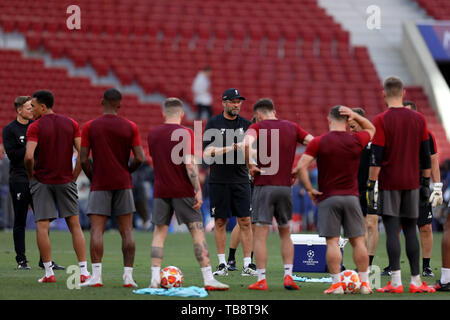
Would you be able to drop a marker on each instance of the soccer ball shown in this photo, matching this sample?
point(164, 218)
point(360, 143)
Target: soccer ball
point(351, 281)
point(171, 277)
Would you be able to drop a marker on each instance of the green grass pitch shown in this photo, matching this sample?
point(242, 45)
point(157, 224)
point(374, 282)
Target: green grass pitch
point(23, 285)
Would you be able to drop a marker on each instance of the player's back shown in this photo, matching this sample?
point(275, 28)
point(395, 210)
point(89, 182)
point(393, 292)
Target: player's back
point(111, 139)
point(289, 134)
point(400, 131)
point(171, 179)
point(55, 135)
point(338, 155)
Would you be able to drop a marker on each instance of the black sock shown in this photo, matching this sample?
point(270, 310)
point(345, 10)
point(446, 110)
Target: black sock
point(370, 260)
point(426, 262)
point(231, 256)
point(251, 256)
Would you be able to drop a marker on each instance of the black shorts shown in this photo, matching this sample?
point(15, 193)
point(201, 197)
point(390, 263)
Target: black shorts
point(364, 207)
point(230, 198)
point(425, 215)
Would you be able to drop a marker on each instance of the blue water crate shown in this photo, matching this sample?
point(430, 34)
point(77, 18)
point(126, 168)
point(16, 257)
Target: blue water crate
point(310, 251)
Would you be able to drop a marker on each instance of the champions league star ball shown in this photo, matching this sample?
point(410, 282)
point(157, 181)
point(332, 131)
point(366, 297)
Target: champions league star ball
point(171, 277)
point(351, 281)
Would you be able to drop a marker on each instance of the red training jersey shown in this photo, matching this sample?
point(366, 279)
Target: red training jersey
point(111, 139)
point(338, 154)
point(54, 134)
point(167, 147)
point(400, 131)
point(289, 134)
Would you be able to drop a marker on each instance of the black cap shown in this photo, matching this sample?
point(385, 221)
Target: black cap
point(231, 94)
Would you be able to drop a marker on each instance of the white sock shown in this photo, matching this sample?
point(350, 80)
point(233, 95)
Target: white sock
point(247, 261)
point(207, 274)
point(396, 278)
point(336, 277)
point(415, 280)
point(48, 269)
point(261, 274)
point(127, 271)
point(445, 275)
point(364, 276)
point(222, 258)
point(97, 270)
point(83, 268)
point(288, 269)
point(156, 274)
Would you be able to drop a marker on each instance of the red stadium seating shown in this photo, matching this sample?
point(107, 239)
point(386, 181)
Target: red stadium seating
point(289, 50)
point(438, 9)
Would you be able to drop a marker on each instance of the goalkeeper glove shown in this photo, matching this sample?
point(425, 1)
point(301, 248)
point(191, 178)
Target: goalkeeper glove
point(425, 191)
point(436, 196)
point(371, 195)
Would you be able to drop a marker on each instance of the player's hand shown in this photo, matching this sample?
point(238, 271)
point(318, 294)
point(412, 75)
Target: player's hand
point(295, 172)
point(371, 195)
point(346, 111)
point(313, 194)
point(239, 146)
point(436, 196)
point(253, 170)
point(425, 192)
point(198, 200)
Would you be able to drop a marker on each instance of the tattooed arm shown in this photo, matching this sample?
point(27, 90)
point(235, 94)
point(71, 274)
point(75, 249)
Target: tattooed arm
point(192, 172)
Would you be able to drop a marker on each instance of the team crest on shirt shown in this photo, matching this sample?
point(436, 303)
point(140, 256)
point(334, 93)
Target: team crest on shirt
point(22, 139)
point(213, 211)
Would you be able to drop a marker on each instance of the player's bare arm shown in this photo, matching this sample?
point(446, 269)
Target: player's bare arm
point(138, 158)
point(211, 152)
point(303, 174)
point(192, 172)
point(77, 169)
point(85, 163)
point(29, 158)
point(250, 154)
point(307, 139)
point(365, 124)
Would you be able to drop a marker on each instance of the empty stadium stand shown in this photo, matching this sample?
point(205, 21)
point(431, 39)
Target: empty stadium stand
point(291, 51)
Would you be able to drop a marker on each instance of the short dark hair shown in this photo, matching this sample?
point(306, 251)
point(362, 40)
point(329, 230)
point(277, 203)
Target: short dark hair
point(112, 94)
point(393, 87)
point(20, 101)
point(410, 103)
point(336, 115)
point(263, 105)
point(172, 102)
point(359, 111)
point(45, 97)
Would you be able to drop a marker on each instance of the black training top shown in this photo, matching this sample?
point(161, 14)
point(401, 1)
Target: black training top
point(363, 171)
point(14, 141)
point(227, 171)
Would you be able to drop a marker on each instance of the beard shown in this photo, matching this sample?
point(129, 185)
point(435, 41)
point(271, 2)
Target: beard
point(232, 113)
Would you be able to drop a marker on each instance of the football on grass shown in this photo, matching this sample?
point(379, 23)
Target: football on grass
point(171, 277)
point(351, 281)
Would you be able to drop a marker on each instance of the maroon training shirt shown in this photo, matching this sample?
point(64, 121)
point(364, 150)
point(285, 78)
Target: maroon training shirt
point(111, 139)
point(338, 154)
point(54, 134)
point(171, 180)
point(400, 131)
point(289, 134)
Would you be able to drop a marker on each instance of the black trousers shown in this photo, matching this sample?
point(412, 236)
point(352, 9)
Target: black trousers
point(21, 199)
